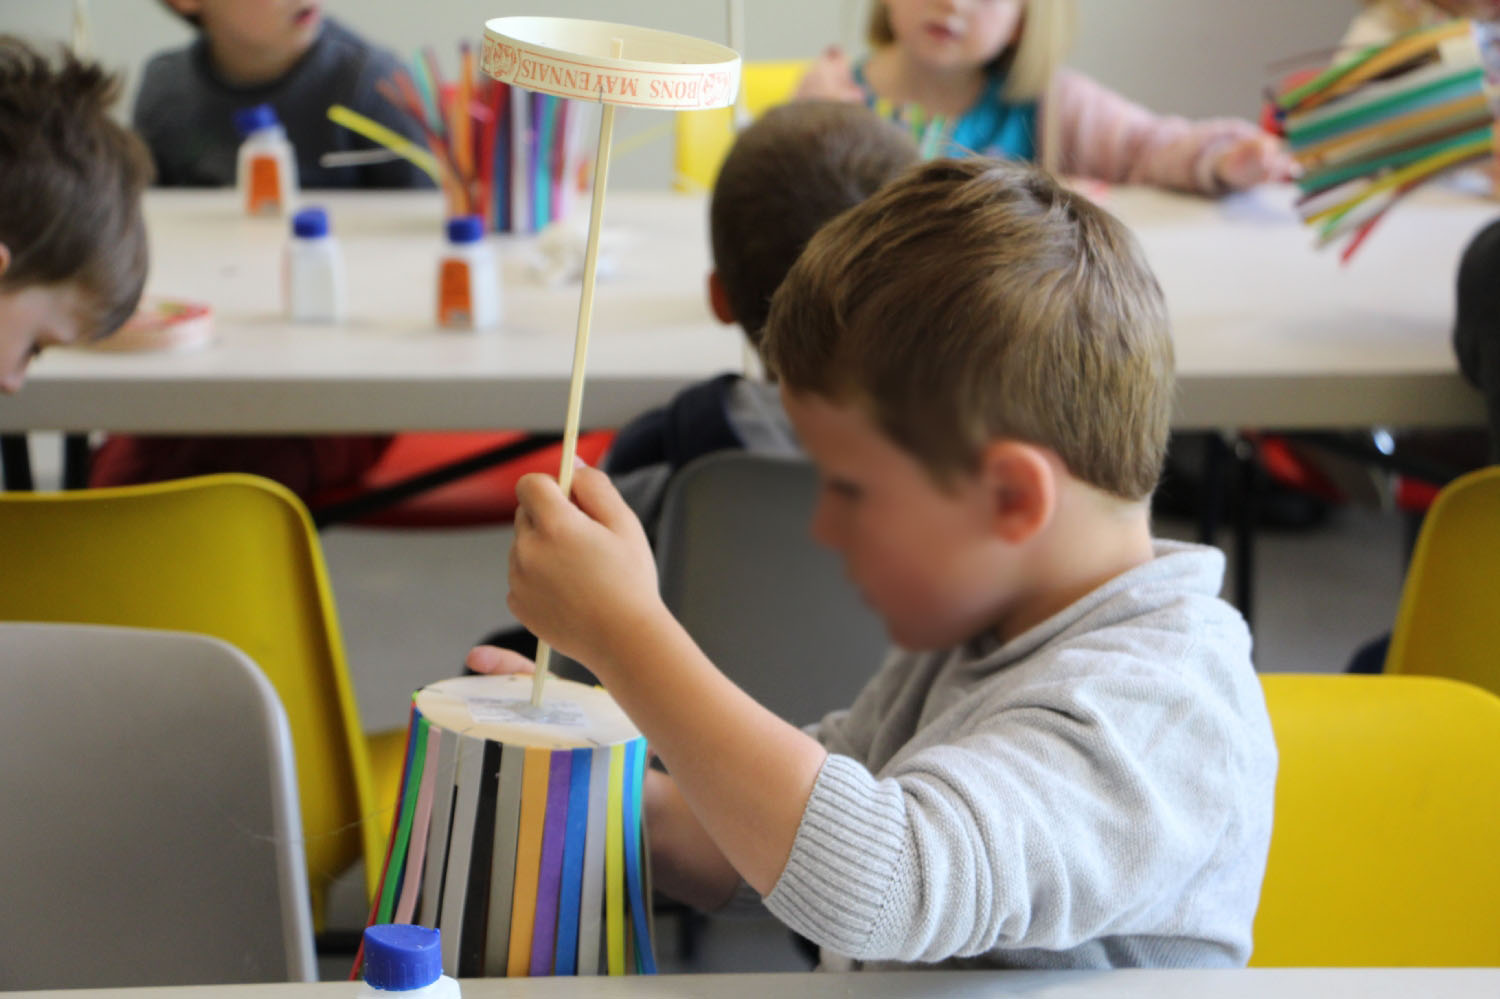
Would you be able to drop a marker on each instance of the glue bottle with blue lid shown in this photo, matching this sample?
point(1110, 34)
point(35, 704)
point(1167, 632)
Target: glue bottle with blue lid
point(314, 271)
point(468, 284)
point(266, 168)
point(405, 961)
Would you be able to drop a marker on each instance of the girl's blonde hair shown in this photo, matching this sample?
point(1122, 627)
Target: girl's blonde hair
point(1046, 36)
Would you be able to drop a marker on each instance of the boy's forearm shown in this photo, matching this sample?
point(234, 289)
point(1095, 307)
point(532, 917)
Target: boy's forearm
point(745, 774)
point(686, 864)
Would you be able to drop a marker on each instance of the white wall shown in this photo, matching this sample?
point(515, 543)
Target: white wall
point(1197, 57)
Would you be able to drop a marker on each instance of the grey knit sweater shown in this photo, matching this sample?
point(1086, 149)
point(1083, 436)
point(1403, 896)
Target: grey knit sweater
point(1095, 793)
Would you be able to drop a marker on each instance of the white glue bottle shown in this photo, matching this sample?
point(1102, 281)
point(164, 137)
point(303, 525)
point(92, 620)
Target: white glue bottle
point(468, 287)
point(266, 174)
point(403, 961)
point(314, 276)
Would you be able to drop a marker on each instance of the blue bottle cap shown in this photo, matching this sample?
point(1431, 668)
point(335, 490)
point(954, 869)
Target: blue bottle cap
point(310, 223)
point(253, 119)
point(400, 957)
point(465, 229)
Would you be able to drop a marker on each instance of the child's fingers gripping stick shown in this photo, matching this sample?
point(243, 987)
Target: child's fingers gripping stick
point(597, 496)
point(580, 574)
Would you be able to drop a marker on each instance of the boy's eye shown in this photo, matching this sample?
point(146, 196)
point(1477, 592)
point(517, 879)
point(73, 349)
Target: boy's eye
point(843, 489)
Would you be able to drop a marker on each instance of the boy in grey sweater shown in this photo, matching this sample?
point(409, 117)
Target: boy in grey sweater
point(1069, 762)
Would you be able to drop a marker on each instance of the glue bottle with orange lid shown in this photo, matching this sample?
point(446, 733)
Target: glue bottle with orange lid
point(468, 287)
point(405, 961)
point(266, 174)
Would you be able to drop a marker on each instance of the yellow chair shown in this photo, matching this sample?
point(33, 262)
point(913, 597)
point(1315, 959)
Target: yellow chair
point(234, 557)
point(1386, 844)
point(704, 137)
point(1448, 623)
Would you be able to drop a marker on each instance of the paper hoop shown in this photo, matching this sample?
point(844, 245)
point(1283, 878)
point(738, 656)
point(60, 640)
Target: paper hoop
point(571, 57)
point(496, 708)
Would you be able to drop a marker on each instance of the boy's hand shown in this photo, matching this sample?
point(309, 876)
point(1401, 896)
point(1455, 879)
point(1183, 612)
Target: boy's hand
point(582, 578)
point(831, 78)
point(1255, 159)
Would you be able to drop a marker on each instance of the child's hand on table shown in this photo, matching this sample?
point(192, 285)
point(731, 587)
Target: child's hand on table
point(582, 577)
point(1255, 159)
point(830, 78)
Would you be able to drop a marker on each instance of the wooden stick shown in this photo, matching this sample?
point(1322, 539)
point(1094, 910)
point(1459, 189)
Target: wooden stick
point(581, 343)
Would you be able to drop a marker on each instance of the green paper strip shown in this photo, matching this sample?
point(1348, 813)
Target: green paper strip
point(403, 830)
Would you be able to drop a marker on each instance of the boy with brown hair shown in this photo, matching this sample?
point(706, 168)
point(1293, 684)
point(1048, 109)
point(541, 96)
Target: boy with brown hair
point(72, 241)
point(1068, 763)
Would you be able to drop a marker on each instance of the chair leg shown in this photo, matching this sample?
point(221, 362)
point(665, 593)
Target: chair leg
point(15, 462)
point(1250, 486)
point(76, 460)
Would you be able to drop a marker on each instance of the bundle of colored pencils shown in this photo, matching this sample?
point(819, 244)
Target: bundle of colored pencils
point(1378, 123)
point(515, 158)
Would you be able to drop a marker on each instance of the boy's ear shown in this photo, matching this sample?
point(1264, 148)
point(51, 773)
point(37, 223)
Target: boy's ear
point(718, 300)
point(1022, 486)
point(4, 259)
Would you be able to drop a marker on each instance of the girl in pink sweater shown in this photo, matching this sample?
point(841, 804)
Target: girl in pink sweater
point(984, 76)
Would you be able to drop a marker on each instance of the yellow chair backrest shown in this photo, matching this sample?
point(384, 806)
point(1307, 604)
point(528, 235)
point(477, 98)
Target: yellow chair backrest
point(234, 557)
point(1385, 849)
point(704, 137)
point(1448, 623)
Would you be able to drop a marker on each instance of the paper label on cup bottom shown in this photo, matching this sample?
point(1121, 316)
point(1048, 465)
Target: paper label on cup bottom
point(514, 710)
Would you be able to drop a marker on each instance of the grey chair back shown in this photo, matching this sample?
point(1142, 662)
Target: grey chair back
point(770, 606)
point(152, 834)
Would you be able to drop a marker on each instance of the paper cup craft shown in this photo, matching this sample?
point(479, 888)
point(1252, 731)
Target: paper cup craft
point(519, 831)
point(613, 64)
point(161, 324)
point(1375, 125)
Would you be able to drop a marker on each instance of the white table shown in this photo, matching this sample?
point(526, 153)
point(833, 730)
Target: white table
point(1268, 332)
point(1359, 983)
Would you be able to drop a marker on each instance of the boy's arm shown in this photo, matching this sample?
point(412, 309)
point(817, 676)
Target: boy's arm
point(1103, 135)
point(582, 579)
point(686, 864)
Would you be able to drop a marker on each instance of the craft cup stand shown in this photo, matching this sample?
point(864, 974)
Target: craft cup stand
point(519, 831)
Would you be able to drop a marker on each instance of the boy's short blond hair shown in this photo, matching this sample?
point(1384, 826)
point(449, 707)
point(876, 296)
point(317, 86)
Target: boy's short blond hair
point(1047, 33)
point(974, 300)
point(795, 168)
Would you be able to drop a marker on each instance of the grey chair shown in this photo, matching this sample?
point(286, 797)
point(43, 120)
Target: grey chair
point(151, 834)
point(770, 606)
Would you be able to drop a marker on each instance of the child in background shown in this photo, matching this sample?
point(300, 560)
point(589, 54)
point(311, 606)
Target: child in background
point(72, 242)
point(993, 69)
point(278, 52)
point(1382, 20)
point(1070, 764)
point(787, 174)
point(283, 53)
